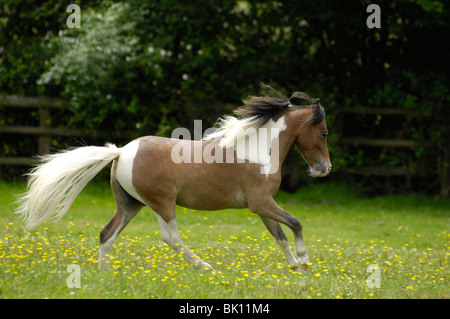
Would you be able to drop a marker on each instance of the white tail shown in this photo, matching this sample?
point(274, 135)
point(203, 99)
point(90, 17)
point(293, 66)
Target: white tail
point(54, 184)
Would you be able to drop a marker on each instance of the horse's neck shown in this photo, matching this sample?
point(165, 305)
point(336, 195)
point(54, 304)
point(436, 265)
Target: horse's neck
point(285, 144)
point(280, 137)
point(287, 137)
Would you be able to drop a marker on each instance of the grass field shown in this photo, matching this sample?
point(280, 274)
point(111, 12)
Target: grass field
point(406, 238)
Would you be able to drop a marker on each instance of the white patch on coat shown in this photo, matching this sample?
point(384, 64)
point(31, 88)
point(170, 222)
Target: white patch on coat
point(300, 250)
point(254, 145)
point(284, 245)
point(124, 169)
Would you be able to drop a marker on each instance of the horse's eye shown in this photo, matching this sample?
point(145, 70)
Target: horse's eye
point(324, 134)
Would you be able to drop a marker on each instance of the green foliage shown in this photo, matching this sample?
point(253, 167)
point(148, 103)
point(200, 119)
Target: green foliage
point(146, 67)
point(88, 59)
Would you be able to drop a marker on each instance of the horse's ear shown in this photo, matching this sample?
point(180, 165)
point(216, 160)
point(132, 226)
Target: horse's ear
point(318, 113)
point(315, 106)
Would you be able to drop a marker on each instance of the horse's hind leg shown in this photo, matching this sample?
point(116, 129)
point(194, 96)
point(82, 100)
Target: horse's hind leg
point(170, 235)
point(126, 208)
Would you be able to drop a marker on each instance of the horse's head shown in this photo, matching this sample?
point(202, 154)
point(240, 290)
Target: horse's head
point(311, 140)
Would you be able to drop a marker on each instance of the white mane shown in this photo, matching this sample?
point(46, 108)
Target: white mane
point(230, 129)
point(251, 143)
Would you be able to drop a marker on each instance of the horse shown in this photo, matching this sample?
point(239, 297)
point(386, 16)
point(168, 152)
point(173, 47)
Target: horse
point(148, 172)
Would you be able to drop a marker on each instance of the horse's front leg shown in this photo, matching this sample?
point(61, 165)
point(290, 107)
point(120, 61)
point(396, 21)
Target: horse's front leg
point(272, 214)
point(300, 250)
point(281, 239)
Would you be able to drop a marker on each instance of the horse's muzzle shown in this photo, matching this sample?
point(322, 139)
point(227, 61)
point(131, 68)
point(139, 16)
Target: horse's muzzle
point(320, 170)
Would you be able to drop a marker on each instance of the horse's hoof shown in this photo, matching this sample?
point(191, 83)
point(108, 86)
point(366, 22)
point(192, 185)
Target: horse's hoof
point(208, 268)
point(204, 267)
point(298, 268)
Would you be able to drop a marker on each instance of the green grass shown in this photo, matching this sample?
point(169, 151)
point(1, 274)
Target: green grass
point(407, 237)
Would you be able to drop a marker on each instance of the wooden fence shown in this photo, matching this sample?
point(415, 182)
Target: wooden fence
point(395, 143)
point(441, 162)
point(44, 131)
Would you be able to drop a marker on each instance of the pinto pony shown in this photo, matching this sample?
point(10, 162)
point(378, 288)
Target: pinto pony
point(148, 172)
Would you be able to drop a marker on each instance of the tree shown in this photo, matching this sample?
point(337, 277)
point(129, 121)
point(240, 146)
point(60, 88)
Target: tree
point(150, 66)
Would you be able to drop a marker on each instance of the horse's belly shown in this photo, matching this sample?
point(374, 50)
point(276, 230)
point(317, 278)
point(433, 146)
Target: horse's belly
point(211, 199)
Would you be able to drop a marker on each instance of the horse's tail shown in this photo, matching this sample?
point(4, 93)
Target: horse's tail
point(58, 179)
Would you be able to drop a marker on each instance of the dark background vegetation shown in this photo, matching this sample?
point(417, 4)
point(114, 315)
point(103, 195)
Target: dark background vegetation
point(147, 67)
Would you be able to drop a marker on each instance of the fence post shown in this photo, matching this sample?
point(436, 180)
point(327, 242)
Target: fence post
point(44, 139)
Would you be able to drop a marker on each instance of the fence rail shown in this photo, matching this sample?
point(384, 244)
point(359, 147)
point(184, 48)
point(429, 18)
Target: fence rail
point(392, 143)
point(44, 131)
point(40, 130)
point(378, 142)
point(32, 102)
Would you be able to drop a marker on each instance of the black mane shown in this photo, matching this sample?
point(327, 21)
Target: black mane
point(265, 108)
